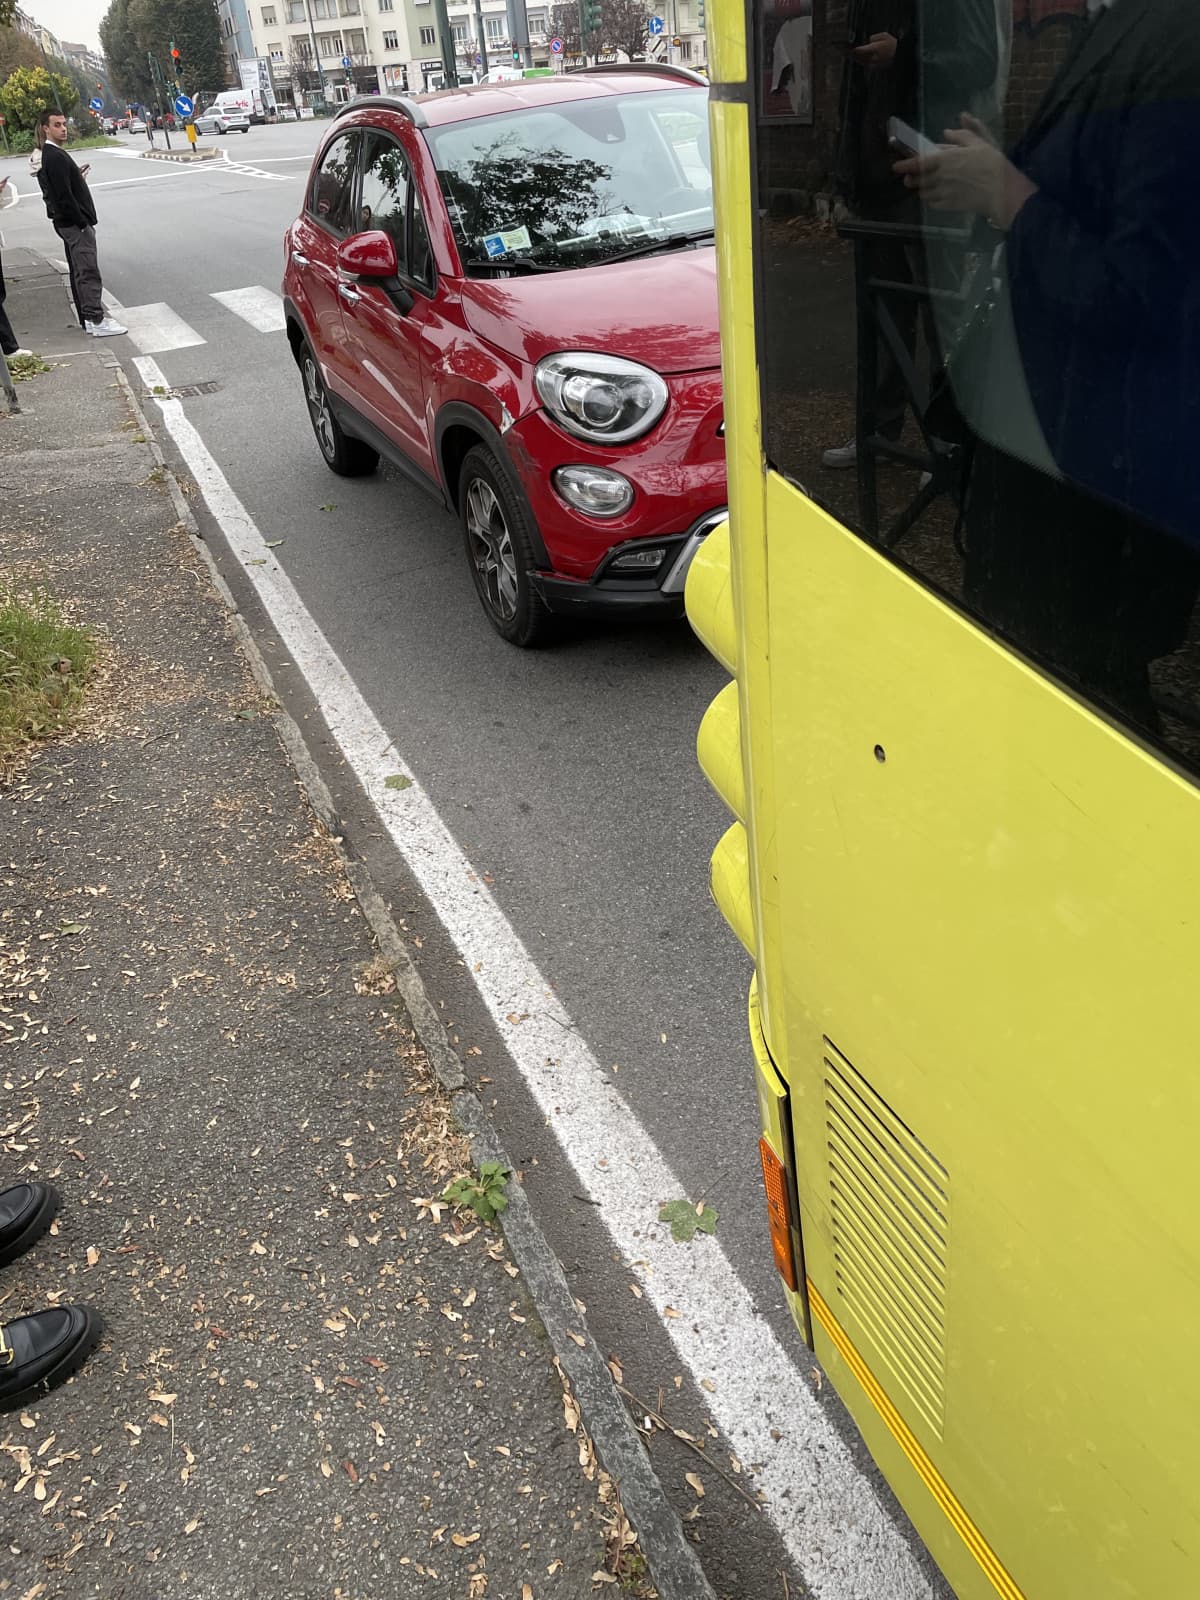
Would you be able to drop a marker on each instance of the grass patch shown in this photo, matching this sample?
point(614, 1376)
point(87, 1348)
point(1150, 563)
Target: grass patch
point(25, 367)
point(94, 141)
point(44, 664)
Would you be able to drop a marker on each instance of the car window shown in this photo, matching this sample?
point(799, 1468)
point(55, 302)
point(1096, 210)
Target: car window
point(383, 200)
point(333, 186)
point(576, 181)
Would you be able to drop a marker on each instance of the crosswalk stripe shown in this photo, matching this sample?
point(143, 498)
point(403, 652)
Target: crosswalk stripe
point(261, 308)
point(156, 327)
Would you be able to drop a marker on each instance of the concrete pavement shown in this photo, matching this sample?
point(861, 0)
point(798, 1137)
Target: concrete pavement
point(318, 1381)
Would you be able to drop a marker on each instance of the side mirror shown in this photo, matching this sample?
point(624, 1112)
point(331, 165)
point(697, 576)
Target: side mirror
point(368, 255)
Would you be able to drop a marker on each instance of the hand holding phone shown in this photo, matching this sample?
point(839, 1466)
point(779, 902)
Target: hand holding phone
point(85, 169)
point(908, 140)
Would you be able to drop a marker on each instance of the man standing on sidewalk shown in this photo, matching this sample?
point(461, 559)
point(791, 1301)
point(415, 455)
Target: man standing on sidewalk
point(70, 208)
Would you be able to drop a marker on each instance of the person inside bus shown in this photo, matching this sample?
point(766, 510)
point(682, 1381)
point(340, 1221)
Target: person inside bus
point(924, 63)
point(1078, 371)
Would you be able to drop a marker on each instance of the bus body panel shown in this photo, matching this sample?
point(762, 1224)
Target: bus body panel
point(973, 909)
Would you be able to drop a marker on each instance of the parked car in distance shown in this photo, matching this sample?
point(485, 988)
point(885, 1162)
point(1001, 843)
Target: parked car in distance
point(222, 122)
point(137, 126)
point(509, 292)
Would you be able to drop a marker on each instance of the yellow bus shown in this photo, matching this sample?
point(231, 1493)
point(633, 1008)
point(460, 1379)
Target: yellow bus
point(959, 265)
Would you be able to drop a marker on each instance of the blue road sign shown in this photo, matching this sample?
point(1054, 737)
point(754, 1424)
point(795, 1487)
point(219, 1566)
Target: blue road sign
point(478, 59)
point(654, 26)
point(96, 105)
point(184, 105)
point(347, 63)
point(556, 47)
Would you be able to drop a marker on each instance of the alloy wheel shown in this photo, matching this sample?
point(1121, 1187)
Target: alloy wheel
point(491, 550)
point(318, 408)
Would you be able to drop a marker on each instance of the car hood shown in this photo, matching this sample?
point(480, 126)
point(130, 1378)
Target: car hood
point(660, 310)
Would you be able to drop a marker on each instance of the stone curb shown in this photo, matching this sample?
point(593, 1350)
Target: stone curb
point(182, 155)
point(674, 1565)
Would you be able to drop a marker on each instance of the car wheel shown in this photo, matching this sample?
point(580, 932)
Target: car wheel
point(349, 458)
point(221, 129)
point(500, 550)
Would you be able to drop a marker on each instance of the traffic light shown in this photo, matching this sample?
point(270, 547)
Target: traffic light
point(517, 57)
point(589, 16)
point(176, 62)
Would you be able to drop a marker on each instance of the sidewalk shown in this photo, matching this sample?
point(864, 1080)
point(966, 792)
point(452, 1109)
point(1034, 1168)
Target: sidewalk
point(317, 1383)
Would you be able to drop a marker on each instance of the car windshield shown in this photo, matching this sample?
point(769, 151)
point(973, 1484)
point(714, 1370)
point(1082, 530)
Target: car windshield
point(574, 183)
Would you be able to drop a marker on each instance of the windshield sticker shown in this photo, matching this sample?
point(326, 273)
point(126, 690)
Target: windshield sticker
point(499, 244)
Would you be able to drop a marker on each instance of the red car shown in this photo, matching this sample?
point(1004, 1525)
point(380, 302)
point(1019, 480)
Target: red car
point(509, 292)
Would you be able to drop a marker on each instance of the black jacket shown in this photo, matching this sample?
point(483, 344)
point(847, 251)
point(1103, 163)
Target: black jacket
point(65, 191)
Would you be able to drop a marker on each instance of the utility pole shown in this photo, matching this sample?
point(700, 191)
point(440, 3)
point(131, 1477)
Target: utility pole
point(449, 51)
point(480, 41)
point(312, 32)
point(518, 30)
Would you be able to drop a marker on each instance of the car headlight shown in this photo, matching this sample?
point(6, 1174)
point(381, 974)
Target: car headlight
point(601, 398)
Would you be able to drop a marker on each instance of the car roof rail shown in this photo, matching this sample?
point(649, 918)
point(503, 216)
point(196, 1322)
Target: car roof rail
point(662, 69)
point(393, 102)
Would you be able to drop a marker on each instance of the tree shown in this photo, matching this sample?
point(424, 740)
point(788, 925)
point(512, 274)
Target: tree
point(17, 49)
point(564, 25)
point(31, 90)
point(133, 30)
point(8, 10)
point(126, 59)
point(624, 26)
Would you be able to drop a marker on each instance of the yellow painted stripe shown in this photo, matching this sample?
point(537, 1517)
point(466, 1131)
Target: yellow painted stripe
point(970, 1535)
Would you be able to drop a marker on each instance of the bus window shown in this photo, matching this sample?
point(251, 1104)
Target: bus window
point(978, 259)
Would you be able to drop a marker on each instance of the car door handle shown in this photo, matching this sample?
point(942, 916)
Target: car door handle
point(351, 296)
point(296, 256)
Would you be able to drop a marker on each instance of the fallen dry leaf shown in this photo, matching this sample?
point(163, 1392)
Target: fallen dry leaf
point(697, 1483)
point(93, 1255)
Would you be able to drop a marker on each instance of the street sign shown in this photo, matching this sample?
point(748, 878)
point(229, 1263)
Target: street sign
point(96, 105)
point(184, 105)
point(654, 27)
point(556, 47)
point(478, 59)
point(347, 63)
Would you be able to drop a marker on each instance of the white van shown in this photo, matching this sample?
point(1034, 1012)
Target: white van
point(230, 102)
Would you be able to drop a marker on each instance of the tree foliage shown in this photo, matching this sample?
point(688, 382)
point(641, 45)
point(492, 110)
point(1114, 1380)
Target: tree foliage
point(622, 28)
point(133, 30)
point(17, 49)
point(31, 90)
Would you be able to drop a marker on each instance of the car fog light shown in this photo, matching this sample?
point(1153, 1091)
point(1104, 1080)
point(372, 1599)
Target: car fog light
point(641, 560)
point(596, 490)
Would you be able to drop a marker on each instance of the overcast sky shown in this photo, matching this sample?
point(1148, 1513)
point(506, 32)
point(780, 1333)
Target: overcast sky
point(77, 21)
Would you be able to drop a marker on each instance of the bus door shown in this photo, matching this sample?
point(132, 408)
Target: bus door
point(959, 595)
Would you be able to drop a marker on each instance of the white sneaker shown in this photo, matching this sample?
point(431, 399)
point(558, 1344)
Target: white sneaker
point(14, 354)
point(840, 456)
point(106, 328)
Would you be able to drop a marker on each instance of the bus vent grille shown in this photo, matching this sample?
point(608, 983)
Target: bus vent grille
point(889, 1207)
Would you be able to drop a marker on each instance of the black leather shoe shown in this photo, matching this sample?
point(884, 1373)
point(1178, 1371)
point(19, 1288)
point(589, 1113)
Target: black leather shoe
point(26, 1212)
point(38, 1353)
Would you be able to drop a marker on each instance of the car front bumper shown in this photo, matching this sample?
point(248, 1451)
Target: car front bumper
point(611, 592)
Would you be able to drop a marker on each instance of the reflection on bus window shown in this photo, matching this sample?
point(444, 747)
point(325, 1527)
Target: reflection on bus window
point(979, 255)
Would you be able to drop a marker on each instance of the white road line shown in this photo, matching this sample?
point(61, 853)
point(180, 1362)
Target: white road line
point(155, 328)
point(826, 1513)
point(261, 308)
point(247, 169)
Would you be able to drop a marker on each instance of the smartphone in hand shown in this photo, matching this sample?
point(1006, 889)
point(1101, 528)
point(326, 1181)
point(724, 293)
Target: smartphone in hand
point(907, 140)
point(85, 169)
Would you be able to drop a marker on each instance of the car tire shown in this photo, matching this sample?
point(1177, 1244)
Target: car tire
point(221, 129)
point(496, 532)
point(348, 457)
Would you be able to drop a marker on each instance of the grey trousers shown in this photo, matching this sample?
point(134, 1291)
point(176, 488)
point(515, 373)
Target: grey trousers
point(86, 287)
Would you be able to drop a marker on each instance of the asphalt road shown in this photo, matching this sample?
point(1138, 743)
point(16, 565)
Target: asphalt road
point(568, 777)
